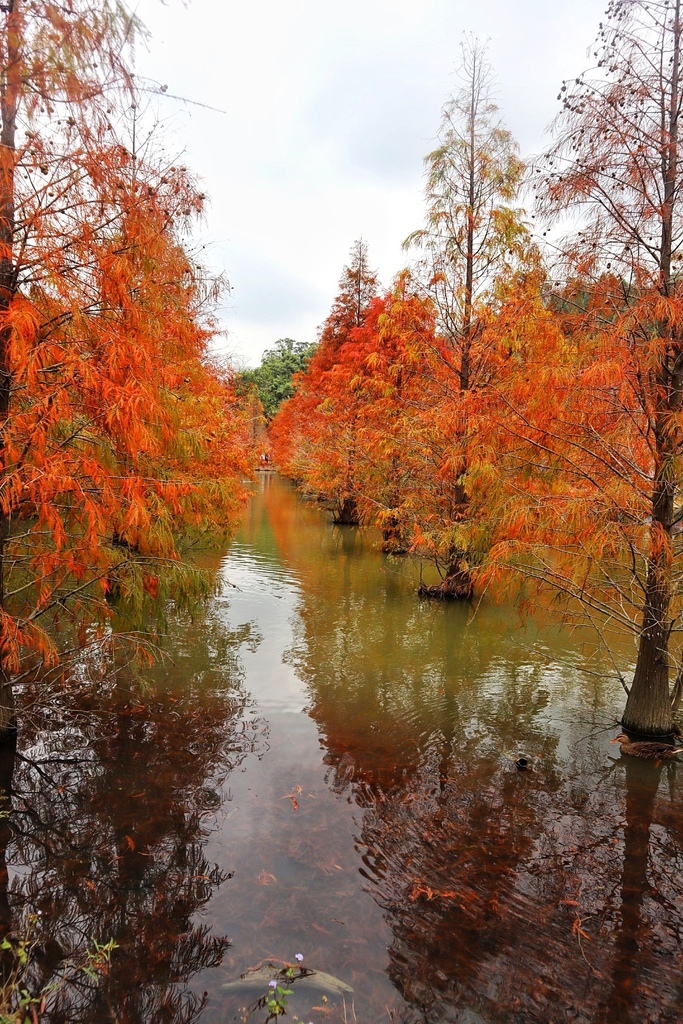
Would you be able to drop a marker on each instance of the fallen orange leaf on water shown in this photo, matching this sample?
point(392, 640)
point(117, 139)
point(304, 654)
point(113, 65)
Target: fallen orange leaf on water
point(265, 878)
point(290, 796)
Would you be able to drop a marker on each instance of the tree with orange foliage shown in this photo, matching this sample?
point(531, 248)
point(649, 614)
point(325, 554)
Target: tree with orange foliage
point(116, 432)
point(474, 238)
point(593, 419)
point(474, 233)
point(394, 362)
point(357, 289)
point(314, 436)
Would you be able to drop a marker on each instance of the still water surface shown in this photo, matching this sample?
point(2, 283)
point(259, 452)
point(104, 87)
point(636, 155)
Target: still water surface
point(327, 767)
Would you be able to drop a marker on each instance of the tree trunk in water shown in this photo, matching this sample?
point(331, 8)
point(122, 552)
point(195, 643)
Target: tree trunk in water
point(347, 513)
point(456, 585)
point(648, 708)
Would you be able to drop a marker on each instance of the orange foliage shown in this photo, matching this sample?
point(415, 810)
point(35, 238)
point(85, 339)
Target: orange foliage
point(514, 431)
point(349, 431)
point(118, 432)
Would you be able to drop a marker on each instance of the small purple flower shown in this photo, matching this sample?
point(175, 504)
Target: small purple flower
point(299, 957)
point(272, 984)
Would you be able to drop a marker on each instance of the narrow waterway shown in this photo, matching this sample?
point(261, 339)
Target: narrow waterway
point(325, 766)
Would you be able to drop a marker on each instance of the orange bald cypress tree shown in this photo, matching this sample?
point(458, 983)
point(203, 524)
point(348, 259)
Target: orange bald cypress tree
point(314, 437)
point(393, 356)
point(474, 238)
point(596, 431)
point(116, 433)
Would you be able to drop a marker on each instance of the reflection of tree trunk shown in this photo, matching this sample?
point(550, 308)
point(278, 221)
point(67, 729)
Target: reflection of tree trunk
point(8, 748)
point(450, 713)
point(642, 782)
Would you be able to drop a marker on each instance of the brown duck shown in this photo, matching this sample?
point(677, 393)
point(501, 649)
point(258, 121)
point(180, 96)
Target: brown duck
point(651, 750)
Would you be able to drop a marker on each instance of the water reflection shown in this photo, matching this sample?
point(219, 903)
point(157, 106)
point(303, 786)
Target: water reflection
point(513, 894)
point(116, 792)
point(648, 925)
point(383, 828)
point(552, 894)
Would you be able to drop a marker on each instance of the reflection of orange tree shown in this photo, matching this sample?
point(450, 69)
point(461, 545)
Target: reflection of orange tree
point(274, 517)
point(513, 892)
point(554, 894)
point(649, 925)
point(115, 797)
point(447, 823)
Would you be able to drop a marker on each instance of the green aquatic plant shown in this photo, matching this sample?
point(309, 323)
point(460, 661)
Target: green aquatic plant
point(281, 979)
point(276, 998)
point(279, 990)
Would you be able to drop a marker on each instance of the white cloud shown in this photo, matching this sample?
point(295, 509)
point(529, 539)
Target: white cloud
point(330, 108)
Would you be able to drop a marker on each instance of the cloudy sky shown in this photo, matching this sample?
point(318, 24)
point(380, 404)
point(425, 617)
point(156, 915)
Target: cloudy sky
point(324, 111)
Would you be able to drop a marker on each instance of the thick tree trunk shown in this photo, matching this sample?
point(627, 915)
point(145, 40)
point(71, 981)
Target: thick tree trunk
point(649, 706)
point(648, 709)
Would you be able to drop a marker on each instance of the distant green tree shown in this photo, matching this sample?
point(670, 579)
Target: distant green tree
point(273, 378)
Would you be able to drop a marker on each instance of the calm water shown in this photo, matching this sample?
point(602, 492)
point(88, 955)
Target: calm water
point(326, 766)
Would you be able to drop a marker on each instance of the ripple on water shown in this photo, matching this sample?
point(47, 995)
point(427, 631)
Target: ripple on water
point(253, 571)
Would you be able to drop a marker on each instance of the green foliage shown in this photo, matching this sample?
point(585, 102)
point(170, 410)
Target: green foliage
point(18, 1005)
point(273, 378)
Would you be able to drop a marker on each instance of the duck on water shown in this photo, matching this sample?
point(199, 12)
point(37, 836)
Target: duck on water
point(650, 750)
